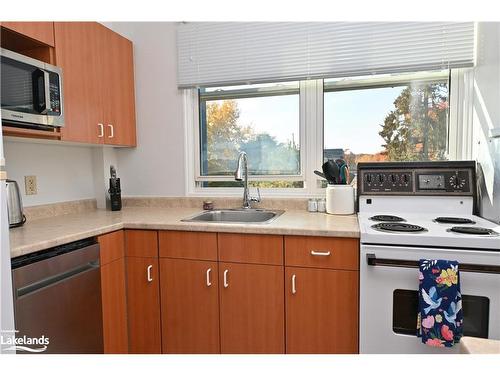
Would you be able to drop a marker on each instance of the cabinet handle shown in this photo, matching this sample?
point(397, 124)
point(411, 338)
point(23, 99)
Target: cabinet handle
point(294, 288)
point(112, 129)
point(101, 130)
point(226, 284)
point(320, 253)
point(150, 278)
point(209, 283)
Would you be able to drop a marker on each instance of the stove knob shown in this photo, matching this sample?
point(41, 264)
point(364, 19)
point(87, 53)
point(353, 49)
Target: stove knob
point(381, 178)
point(406, 179)
point(393, 178)
point(368, 178)
point(456, 182)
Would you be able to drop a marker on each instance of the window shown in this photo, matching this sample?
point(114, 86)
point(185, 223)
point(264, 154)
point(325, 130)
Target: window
point(289, 129)
point(262, 120)
point(387, 118)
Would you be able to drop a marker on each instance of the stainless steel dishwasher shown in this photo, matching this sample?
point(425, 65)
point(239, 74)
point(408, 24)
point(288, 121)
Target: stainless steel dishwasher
point(57, 294)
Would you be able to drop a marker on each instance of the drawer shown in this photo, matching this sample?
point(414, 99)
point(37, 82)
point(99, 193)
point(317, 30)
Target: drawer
point(188, 245)
point(112, 246)
point(322, 252)
point(141, 243)
point(250, 248)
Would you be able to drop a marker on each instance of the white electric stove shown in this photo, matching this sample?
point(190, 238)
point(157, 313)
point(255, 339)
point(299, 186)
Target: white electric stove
point(412, 211)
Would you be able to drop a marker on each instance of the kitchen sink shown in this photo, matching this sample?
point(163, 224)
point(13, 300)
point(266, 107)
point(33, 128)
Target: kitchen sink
point(238, 216)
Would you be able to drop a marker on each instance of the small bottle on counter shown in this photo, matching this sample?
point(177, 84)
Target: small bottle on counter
point(321, 205)
point(312, 205)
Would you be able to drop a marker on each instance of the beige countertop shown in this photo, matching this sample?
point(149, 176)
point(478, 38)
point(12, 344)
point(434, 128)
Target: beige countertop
point(475, 345)
point(43, 233)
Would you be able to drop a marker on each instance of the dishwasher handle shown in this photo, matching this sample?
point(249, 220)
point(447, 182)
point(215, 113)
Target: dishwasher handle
point(43, 283)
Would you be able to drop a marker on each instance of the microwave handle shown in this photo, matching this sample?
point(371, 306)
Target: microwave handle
point(41, 91)
point(46, 81)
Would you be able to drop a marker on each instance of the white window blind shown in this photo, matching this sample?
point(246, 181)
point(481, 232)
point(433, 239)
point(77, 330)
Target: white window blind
point(227, 53)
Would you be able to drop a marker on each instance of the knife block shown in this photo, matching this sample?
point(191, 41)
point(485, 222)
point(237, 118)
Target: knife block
point(115, 194)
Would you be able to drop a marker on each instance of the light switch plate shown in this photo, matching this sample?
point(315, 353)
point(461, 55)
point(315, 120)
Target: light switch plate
point(30, 185)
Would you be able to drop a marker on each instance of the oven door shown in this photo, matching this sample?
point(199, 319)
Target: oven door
point(388, 298)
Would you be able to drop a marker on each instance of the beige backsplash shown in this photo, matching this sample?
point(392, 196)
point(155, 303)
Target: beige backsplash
point(219, 202)
point(62, 208)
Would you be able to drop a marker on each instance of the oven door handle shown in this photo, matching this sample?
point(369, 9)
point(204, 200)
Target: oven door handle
point(372, 260)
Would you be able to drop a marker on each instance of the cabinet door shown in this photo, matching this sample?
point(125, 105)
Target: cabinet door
point(251, 308)
point(78, 53)
point(114, 298)
point(143, 305)
point(118, 90)
point(40, 31)
point(321, 311)
point(189, 306)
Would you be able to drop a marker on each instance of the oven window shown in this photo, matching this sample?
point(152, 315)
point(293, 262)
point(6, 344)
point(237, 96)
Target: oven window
point(405, 308)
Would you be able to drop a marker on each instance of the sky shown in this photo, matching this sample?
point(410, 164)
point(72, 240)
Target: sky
point(275, 115)
point(352, 118)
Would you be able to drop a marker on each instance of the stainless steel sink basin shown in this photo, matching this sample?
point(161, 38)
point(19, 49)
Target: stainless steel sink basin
point(238, 216)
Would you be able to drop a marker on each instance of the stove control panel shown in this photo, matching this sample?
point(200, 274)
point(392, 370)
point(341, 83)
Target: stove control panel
point(385, 181)
point(416, 181)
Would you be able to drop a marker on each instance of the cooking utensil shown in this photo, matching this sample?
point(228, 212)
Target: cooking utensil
point(331, 171)
point(318, 173)
point(343, 171)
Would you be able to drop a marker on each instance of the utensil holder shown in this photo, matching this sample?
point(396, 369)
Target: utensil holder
point(340, 199)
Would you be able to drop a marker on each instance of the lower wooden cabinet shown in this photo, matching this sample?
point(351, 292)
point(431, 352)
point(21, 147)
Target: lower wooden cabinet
point(189, 306)
point(114, 298)
point(143, 305)
point(321, 311)
point(252, 316)
point(193, 302)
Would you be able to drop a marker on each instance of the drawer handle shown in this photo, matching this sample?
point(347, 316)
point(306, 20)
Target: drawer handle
point(209, 283)
point(294, 288)
point(226, 284)
point(150, 278)
point(320, 253)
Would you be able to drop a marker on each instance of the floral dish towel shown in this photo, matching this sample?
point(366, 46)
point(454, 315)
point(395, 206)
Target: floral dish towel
point(440, 315)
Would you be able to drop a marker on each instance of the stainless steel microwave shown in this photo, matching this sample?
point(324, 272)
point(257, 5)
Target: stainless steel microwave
point(31, 91)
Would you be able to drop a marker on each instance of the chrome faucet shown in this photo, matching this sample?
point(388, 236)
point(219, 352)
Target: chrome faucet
point(239, 175)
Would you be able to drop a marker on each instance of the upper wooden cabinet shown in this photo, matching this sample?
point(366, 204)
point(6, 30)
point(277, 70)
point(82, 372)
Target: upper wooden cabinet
point(118, 89)
point(40, 31)
point(78, 54)
point(98, 84)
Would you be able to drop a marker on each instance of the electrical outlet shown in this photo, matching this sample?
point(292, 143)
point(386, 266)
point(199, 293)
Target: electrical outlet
point(30, 185)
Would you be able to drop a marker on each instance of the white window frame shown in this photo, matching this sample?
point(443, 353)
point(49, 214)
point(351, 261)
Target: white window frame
point(311, 137)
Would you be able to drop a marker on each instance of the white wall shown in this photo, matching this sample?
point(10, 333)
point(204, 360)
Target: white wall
point(156, 166)
point(64, 172)
point(486, 116)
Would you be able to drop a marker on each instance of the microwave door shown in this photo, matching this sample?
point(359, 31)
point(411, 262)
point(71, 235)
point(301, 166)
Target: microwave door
point(23, 92)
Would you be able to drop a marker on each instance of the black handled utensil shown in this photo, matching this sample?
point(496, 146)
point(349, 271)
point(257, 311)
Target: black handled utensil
point(318, 173)
point(331, 171)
